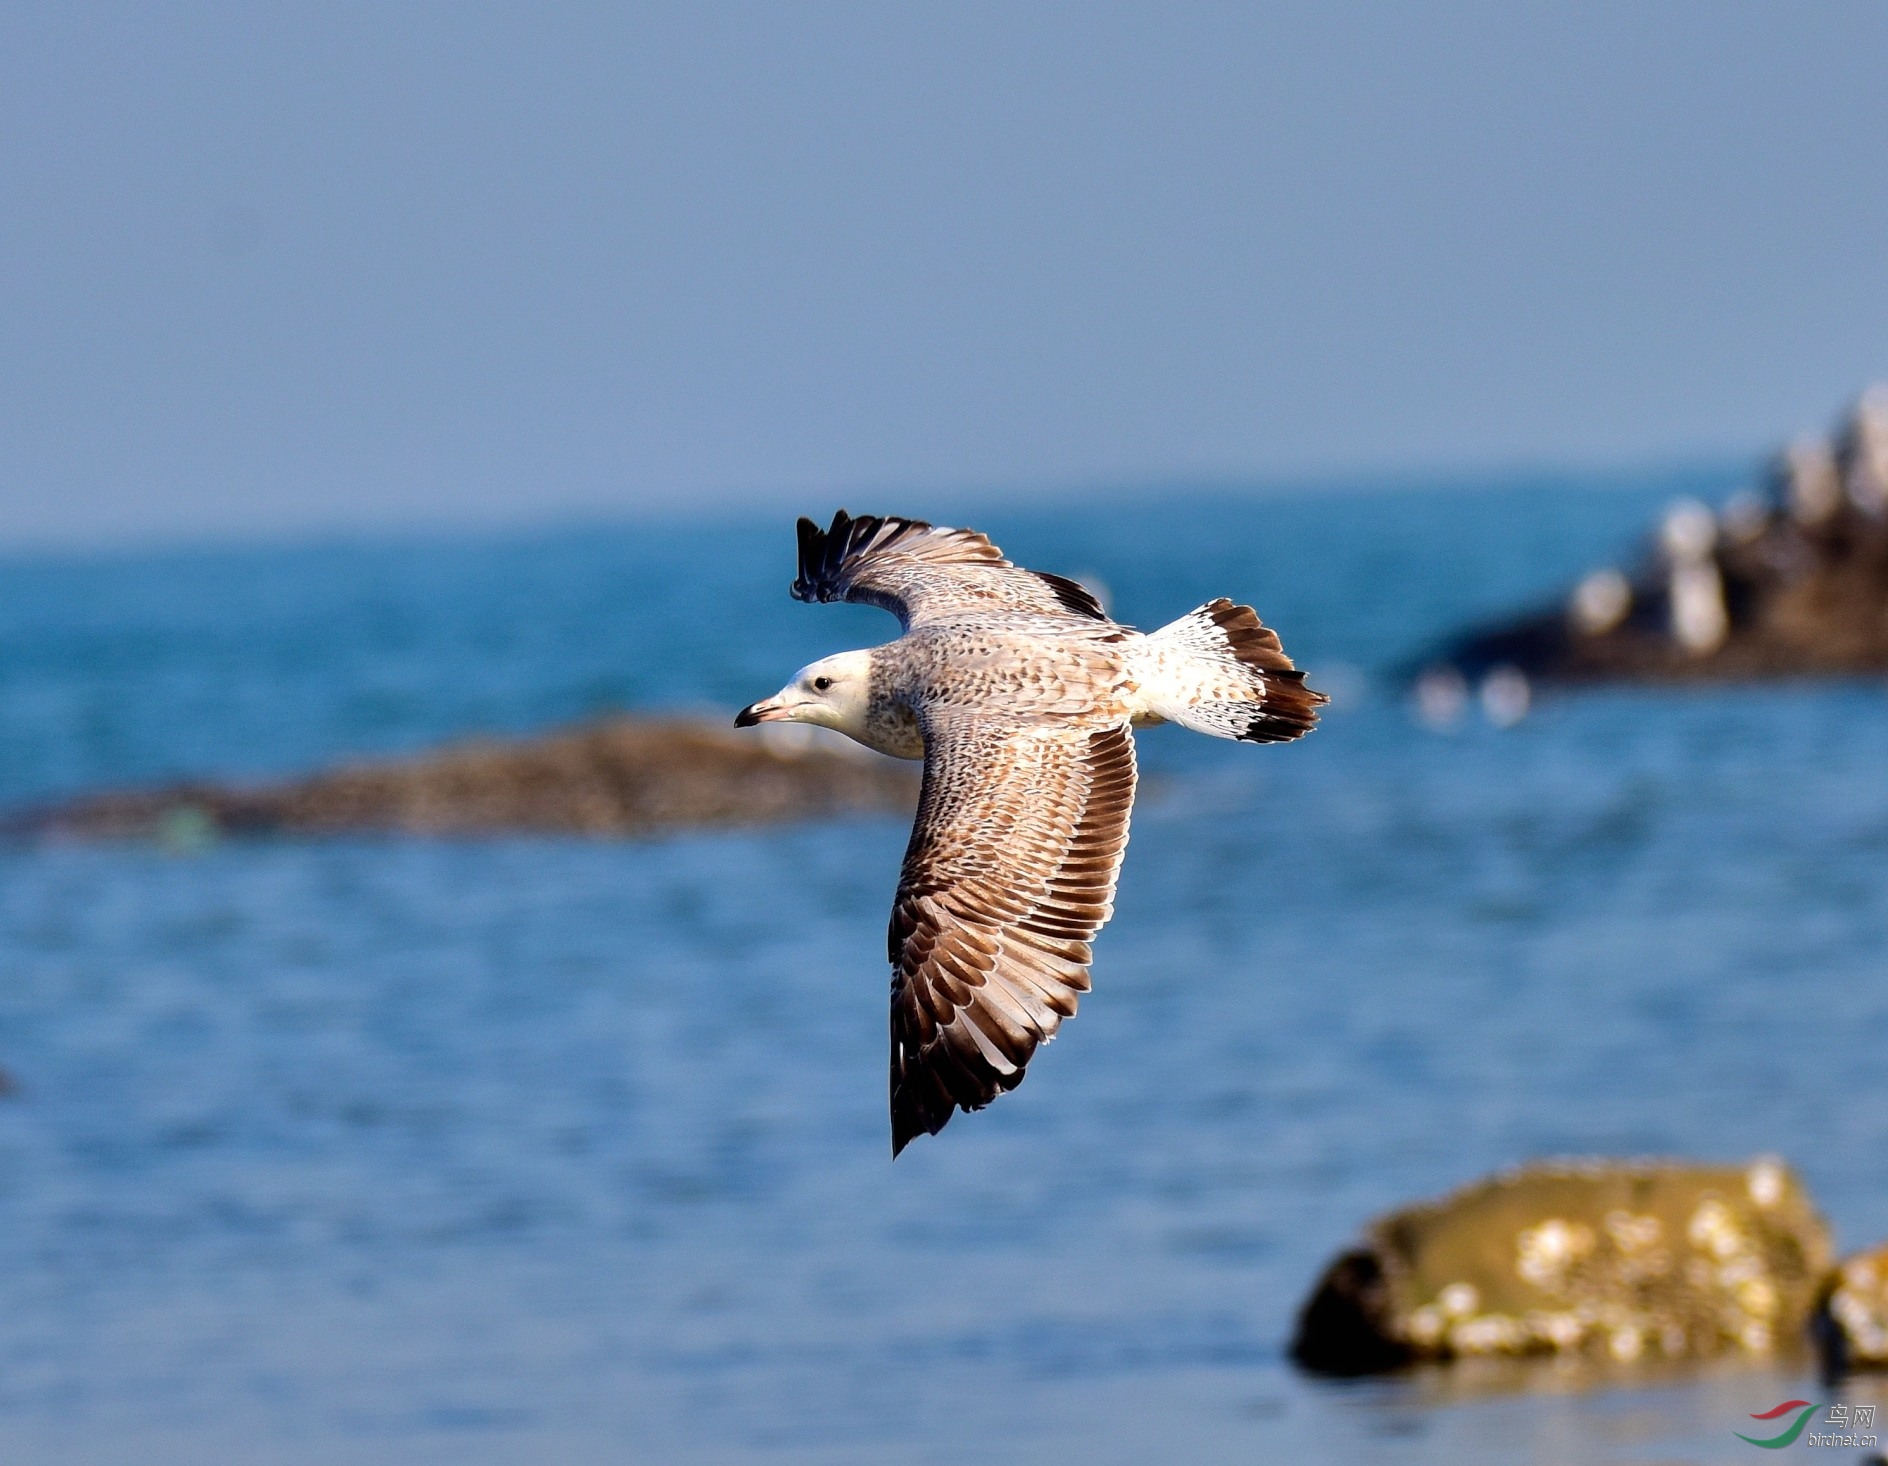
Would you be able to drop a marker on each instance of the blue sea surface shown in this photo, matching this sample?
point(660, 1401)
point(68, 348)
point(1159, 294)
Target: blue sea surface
point(527, 1150)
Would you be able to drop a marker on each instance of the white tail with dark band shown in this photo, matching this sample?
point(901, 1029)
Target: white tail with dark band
point(1219, 670)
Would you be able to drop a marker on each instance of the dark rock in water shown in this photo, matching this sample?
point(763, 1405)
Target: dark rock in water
point(628, 776)
point(1791, 583)
point(1851, 1322)
point(1613, 1260)
point(1347, 1325)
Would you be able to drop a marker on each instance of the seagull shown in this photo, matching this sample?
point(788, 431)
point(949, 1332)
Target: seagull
point(1020, 694)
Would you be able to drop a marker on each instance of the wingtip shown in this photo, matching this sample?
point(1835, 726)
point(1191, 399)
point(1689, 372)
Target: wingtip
point(907, 1127)
point(812, 545)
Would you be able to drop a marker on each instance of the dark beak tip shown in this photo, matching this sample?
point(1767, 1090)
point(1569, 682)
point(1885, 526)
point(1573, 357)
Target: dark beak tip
point(745, 718)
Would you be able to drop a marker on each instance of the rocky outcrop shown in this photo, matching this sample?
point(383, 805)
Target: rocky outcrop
point(1787, 581)
point(1851, 1322)
point(627, 776)
point(1609, 1259)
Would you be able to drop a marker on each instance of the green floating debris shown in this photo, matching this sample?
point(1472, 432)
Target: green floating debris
point(185, 829)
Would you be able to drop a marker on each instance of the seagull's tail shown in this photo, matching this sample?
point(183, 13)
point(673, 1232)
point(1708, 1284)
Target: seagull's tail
point(1219, 670)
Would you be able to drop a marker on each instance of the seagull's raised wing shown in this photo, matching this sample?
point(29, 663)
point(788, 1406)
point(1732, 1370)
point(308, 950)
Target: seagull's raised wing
point(1010, 873)
point(923, 573)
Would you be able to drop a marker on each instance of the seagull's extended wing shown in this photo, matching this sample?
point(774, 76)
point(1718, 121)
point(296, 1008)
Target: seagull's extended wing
point(1010, 873)
point(921, 572)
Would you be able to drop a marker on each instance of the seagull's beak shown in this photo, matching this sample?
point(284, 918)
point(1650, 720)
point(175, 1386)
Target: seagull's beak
point(767, 711)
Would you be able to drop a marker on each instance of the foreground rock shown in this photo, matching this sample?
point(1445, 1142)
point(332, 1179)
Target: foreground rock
point(1614, 1260)
point(628, 776)
point(1789, 582)
point(1851, 1323)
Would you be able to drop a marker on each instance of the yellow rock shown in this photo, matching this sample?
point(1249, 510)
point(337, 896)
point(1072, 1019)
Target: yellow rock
point(1851, 1325)
point(1622, 1260)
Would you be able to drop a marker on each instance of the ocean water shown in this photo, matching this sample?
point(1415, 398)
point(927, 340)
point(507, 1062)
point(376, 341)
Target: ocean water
point(528, 1150)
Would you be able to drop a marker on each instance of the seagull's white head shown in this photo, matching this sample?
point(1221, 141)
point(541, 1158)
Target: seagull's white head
point(835, 692)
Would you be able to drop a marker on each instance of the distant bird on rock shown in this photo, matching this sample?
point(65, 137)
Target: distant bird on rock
point(1019, 693)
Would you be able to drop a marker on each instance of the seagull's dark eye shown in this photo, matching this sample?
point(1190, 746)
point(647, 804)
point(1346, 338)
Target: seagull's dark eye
point(820, 684)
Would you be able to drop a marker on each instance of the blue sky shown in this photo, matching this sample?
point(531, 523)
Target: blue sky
point(275, 268)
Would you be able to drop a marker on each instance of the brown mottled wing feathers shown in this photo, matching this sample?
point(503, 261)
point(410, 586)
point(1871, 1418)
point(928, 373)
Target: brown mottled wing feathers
point(922, 572)
point(1010, 873)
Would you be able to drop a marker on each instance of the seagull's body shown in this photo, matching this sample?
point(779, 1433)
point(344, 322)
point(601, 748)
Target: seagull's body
point(1019, 693)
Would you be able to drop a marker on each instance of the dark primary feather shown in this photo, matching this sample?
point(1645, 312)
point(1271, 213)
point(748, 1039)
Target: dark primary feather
point(908, 566)
point(1073, 595)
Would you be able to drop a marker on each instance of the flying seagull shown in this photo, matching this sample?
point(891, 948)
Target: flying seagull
point(1019, 693)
